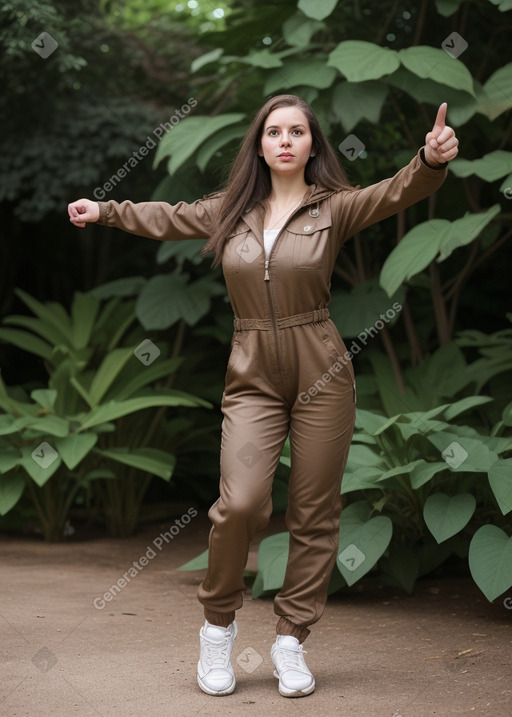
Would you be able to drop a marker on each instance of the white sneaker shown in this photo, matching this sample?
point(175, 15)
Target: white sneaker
point(295, 680)
point(215, 674)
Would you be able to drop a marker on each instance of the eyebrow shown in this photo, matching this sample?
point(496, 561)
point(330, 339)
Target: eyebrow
point(275, 126)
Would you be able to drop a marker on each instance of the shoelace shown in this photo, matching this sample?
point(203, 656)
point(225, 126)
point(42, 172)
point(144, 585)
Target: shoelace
point(216, 652)
point(292, 659)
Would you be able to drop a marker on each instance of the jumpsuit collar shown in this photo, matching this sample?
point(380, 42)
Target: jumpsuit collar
point(254, 215)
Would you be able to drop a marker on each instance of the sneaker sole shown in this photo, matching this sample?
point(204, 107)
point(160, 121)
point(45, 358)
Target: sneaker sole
point(284, 692)
point(216, 693)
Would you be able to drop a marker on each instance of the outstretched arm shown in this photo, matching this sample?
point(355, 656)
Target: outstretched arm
point(420, 178)
point(155, 220)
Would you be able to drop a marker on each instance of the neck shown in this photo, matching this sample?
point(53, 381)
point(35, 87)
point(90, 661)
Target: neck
point(287, 189)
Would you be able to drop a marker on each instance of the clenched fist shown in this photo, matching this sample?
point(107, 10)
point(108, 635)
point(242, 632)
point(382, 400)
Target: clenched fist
point(83, 211)
point(441, 144)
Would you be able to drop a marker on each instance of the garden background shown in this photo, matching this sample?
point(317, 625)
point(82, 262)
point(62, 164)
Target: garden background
point(113, 348)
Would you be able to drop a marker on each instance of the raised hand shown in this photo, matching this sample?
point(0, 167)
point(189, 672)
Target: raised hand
point(83, 211)
point(441, 144)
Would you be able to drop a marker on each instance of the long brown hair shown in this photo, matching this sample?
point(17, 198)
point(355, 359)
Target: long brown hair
point(249, 180)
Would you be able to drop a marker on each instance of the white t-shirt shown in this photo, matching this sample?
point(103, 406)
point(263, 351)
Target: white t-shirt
point(269, 237)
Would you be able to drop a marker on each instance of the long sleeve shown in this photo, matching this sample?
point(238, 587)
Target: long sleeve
point(358, 209)
point(159, 220)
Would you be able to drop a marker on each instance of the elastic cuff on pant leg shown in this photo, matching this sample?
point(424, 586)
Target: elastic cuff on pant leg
point(222, 619)
point(286, 627)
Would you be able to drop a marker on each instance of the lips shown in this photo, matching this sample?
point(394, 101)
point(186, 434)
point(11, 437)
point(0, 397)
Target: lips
point(285, 154)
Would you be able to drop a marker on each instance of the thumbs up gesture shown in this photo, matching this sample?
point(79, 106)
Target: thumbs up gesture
point(441, 144)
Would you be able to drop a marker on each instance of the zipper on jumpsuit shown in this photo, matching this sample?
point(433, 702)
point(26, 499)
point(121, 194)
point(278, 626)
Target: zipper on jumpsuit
point(266, 278)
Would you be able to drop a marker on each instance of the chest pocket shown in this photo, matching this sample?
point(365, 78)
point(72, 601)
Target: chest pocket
point(241, 249)
point(310, 235)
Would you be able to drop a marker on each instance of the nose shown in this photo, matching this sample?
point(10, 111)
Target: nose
point(285, 139)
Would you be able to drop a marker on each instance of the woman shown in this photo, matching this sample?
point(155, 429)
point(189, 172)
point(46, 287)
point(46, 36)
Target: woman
point(277, 229)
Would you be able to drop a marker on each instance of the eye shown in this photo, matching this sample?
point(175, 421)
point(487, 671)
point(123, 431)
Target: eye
point(297, 131)
point(272, 132)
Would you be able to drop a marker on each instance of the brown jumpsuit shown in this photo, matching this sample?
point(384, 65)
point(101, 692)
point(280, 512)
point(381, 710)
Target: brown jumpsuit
point(283, 344)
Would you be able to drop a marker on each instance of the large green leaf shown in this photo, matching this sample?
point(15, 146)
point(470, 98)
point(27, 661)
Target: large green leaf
point(52, 312)
point(116, 409)
point(424, 242)
point(272, 560)
point(107, 372)
point(354, 101)
point(448, 7)
point(300, 72)
point(27, 342)
point(500, 479)
point(39, 472)
point(461, 105)
point(436, 64)
point(298, 30)
point(263, 58)
point(45, 397)
point(151, 460)
point(356, 313)
point(170, 297)
point(446, 515)
point(464, 405)
point(50, 425)
point(359, 61)
point(34, 325)
point(84, 311)
point(138, 379)
point(503, 5)
point(496, 96)
point(363, 470)
point(73, 449)
point(463, 454)
point(463, 231)
point(423, 472)
point(490, 167)
point(317, 9)
point(415, 252)
point(12, 486)
point(490, 560)
point(205, 59)
point(183, 140)
point(209, 149)
point(362, 540)
point(9, 458)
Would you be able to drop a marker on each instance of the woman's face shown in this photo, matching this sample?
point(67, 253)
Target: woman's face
point(286, 141)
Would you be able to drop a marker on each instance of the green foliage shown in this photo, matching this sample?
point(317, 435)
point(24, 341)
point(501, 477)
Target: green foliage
point(87, 420)
point(412, 477)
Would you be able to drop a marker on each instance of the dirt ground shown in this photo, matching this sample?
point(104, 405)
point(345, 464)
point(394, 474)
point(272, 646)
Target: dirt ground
point(376, 651)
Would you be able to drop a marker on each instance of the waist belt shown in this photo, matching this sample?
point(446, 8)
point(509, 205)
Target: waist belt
point(310, 317)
